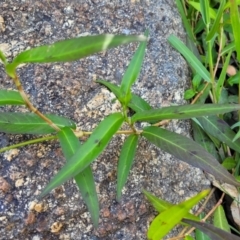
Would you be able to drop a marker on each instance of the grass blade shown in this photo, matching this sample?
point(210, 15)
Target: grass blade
point(190, 57)
point(166, 220)
point(213, 232)
point(216, 24)
point(184, 112)
point(188, 151)
point(30, 123)
point(71, 49)
point(228, 48)
point(8, 97)
point(185, 21)
point(88, 151)
point(204, 9)
point(221, 130)
point(125, 162)
point(222, 77)
point(84, 180)
point(235, 22)
point(132, 72)
point(220, 220)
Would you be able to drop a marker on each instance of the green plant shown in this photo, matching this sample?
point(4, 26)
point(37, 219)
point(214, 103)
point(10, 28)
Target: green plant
point(79, 157)
point(213, 47)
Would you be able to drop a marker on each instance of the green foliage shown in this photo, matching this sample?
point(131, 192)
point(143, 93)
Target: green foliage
point(88, 151)
point(29, 123)
point(220, 220)
point(211, 129)
point(167, 219)
point(84, 180)
point(125, 161)
point(8, 97)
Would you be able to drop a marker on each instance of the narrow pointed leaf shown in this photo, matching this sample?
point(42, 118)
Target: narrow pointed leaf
point(222, 77)
point(213, 232)
point(184, 112)
point(72, 49)
point(190, 57)
point(185, 21)
point(160, 205)
point(221, 130)
point(125, 162)
point(188, 151)
point(136, 103)
point(166, 220)
point(84, 180)
point(112, 87)
point(228, 48)
point(8, 97)
point(235, 23)
point(88, 151)
point(216, 23)
point(132, 72)
point(204, 8)
point(220, 220)
point(29, 123)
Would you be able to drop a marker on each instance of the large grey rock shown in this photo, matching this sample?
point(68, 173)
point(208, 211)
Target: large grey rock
point(69, 89)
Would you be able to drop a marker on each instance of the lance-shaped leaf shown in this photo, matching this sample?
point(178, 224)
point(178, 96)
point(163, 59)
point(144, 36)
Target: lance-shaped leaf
point(136, 103)
point(71, 49)
point(125, 161)
point(213, 232)
point(218, 128)
point(185, 21)
point(216, 25)
point(184, 112)
point(160, 205)
point(166, 220)
point(84, 180)
point(88, 151)
point(132, 72)
point(220, 220)
point(188, 151)
point(29, 123)
point(190, 57)
point(204, 9)
point(220, 82)
point(8, 97)
point(235, 23)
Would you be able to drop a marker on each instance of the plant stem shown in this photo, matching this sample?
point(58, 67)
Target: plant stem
point(30, 105)
point(38, 140)
point(78, 134)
